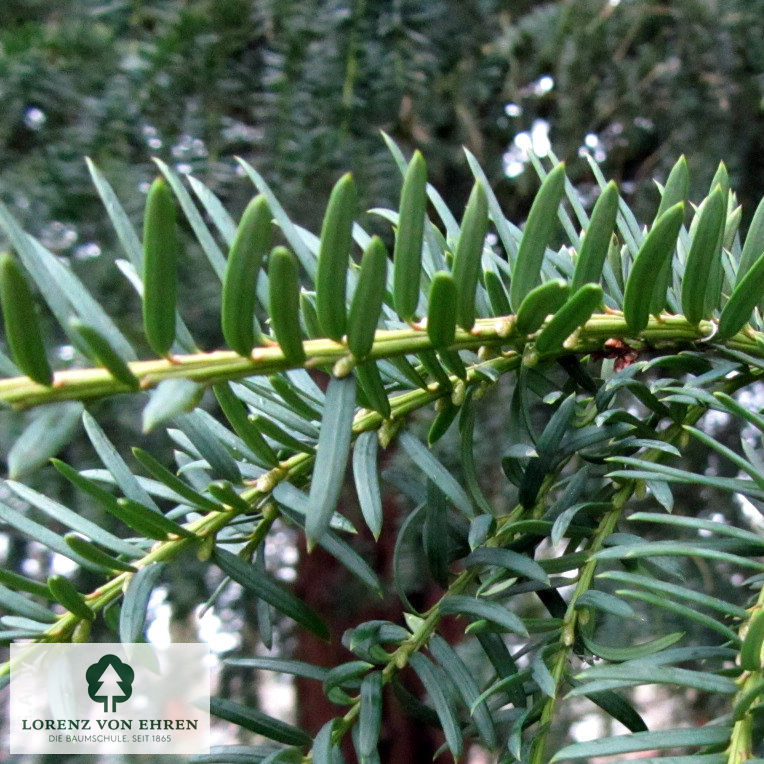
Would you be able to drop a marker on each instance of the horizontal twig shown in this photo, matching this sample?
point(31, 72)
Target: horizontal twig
point(220, 365)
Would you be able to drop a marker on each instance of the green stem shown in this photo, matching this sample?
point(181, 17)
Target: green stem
point(741, 740)
point(606, 526)
point(220, 365)
point(419, 638)
point(400, 658)
point(207, 526)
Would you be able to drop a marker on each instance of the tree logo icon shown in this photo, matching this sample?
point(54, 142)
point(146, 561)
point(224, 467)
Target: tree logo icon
point(109, 678)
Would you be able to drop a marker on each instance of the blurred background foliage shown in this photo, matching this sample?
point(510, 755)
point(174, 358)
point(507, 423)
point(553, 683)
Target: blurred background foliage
point(301, 89)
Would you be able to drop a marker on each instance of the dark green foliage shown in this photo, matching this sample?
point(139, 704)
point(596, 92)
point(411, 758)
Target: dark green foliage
point(535, 571)
point(468, 255)
point(367, 299)
point(596, 240)
point(644, 280)
point(441, 316)
point(408, 238)
point(284, 295)
point(537, 234)
point(197, 82)
point(22, 329)
point(237, 312)
point(104, 354)
point(701, 256)
point(160, 278)
point(333, 258)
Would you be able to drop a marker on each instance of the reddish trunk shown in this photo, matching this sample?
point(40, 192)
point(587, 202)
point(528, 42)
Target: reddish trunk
point(328, 588)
